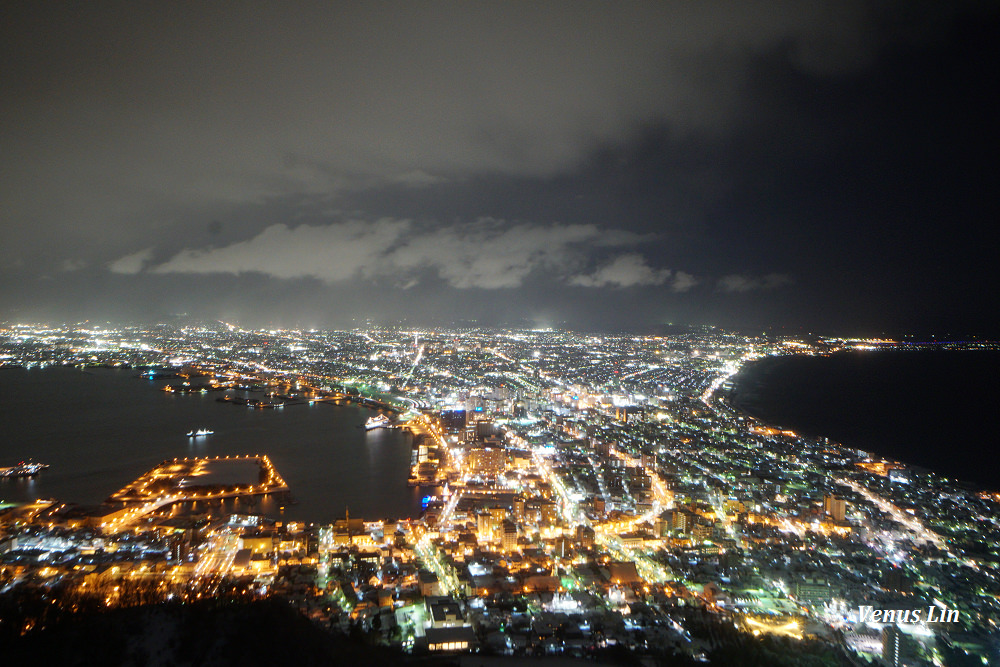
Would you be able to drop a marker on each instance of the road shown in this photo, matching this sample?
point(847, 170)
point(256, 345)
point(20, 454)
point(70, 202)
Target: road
point(216, 557)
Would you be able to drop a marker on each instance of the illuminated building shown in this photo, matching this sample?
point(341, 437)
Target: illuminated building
point(898, 648)
point(701, 531)
point(519, 509)
point(508, 536)
point(485, 526)
point(835, 507)
point(486, 461)
point(678, 519)
point(814, 591)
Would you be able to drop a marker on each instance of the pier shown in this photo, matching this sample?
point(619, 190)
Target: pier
point(190, 479)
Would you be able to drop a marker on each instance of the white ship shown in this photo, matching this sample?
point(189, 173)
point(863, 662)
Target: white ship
point(379, 421)
point(23, 469)
point(200, 432)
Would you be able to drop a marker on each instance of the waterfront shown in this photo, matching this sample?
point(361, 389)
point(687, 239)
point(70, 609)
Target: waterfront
point(100, 429)
point(927, 408)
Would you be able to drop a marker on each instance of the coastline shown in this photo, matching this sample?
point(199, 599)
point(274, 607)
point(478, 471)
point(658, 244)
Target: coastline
point(900, 427)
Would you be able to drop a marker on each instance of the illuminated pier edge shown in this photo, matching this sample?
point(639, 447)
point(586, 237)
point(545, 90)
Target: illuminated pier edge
point(138, 500)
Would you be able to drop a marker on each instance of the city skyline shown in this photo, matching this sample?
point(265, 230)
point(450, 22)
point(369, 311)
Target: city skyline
point(550, 493)
point(809, 168)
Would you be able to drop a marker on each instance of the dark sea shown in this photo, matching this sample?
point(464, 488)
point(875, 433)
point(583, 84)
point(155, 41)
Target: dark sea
point(101, 428)
point(933, 409)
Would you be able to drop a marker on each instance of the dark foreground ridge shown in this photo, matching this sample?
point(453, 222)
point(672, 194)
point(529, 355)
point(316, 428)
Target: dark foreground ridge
point(223, 633)
point(265, 632)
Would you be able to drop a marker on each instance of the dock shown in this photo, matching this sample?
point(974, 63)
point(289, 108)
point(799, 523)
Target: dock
point(191, 479)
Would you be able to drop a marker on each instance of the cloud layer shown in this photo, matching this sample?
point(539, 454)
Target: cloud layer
point(631, 270)
point(487, 254)
point(123, 116)
point(132, 263)
point(163, 142)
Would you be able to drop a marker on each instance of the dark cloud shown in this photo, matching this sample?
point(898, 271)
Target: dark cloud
point(118, 110)
point(496, 145)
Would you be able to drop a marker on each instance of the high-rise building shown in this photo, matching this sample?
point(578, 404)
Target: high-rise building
point(519, 509)
point(836, 507)
point(548, 510)
point(898, 648)
point(508, 536)
point(896, 581)
point(701, 531)
point(486, 460)
point(679, 519)
point(485, 526)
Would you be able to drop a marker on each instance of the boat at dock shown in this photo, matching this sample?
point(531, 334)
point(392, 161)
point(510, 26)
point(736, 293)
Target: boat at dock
point(379, 421)
point(200, 432)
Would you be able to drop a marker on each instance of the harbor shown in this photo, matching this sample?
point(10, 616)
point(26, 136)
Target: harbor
point(192, 479)
point(97, 446)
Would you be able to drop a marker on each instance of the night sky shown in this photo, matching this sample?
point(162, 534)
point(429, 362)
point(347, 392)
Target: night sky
point(825, 167)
